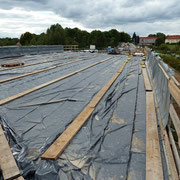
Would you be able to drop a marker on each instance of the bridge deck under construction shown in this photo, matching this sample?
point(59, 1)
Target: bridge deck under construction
point(79, 116)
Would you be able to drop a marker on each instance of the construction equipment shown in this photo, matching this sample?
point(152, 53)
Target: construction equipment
point(114, 51)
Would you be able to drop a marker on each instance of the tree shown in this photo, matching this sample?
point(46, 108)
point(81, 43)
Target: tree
point(134, 38)
point(26, 38)
point(160, 38)
point(124, 37)
point(152, 35)
point(114, 37)
point(57, 35)
point(42, 39)
point(8, 41)
point(137, 40)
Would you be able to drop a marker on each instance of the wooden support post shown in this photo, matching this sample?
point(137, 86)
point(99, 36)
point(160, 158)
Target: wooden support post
point(174, 90)
point(7, 161)
point(175, 121)
point(174, 148)
point(146, 80)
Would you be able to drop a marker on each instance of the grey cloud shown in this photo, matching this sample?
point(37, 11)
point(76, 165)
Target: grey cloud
point(97, 14)
point(104, 13)
point(26, 4)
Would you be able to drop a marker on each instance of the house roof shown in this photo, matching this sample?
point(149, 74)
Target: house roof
point(173, 37)
point(153, 37)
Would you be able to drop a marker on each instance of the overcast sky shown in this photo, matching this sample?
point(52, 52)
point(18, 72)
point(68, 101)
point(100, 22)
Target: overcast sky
point(140, 16)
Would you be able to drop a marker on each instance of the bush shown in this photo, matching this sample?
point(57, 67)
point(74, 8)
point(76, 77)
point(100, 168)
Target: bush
point(164, 47)
point(172, 61)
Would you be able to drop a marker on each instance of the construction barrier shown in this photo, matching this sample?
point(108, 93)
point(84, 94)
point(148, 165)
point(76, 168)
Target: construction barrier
point(13, 51)
point(167, 93)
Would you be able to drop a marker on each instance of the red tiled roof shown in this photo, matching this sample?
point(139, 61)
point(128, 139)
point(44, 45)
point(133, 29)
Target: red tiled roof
point(153, 37)
point(173, 37)
point(18, 44)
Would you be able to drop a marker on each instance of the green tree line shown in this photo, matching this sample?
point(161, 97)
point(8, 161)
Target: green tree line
point(56, 35)
point(8, 41)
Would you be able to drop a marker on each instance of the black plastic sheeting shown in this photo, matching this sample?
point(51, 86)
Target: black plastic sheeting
point(16, 86)
point(57, 59)
point(111, 144)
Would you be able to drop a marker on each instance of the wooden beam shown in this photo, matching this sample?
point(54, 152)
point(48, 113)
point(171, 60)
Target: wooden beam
point(19, 178)
point(174, 90)
point(153, 154)
point(165, 73)
point(175, 81)
point(146, 80)
point(64, 139)
point(174, 148)
point(8, 164)
point(11, 98)
point(176, 121)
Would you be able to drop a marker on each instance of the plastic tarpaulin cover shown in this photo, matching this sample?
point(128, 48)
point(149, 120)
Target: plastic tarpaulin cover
point(111, 144)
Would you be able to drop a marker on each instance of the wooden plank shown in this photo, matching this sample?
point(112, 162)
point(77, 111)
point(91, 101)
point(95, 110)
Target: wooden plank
point(174, 148)
point(166, 75)
point(175, 81)
point(143, 66)
point(64, 139)
point(153, 155)
point(19, 178)
point(36, 72)
point(174, 90)
point(7, 161)
point(176, 121)
point(146, 80)
point(11, 98)
point(171, 167)
point(172, 171)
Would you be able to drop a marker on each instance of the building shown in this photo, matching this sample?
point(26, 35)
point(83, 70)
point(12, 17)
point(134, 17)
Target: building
point(18, 44)
point(173, 39)
point(147, 40)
